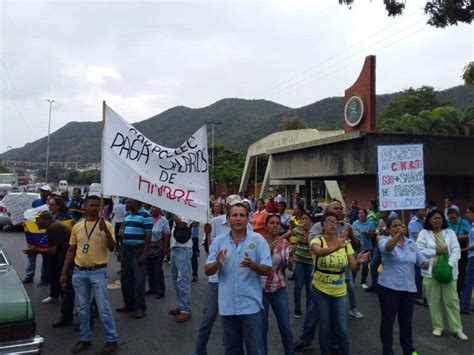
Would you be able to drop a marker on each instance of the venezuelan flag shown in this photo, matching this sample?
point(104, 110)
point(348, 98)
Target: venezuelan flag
point(37, 237)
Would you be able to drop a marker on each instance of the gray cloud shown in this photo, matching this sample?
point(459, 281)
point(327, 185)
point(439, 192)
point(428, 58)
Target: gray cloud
point(144, 58)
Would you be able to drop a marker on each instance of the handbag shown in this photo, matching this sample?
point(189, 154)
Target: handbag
point(443, 272)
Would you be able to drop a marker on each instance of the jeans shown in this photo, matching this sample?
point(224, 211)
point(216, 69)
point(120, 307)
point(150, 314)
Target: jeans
point(154, 270)
point(55, 268)
point(311, 319)
point(244, 329)
point(462, 267)
point(210, 312)
point(85, 284)
point(279, 302)
point(333, 320)
point(351, 289)
point(468, 284)
point(31, 268)
point(195, 256)
point(302, 275)
point(374, 264)
point(180, 269)
point(133, 278)
point(393, 303)
point(365, 273)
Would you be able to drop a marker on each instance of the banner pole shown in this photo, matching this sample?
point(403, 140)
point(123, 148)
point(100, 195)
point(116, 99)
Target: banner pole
point(104, 106)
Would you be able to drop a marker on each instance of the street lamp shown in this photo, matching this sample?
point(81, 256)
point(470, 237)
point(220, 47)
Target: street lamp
point(213, 123)
point(47, 144)
point(8, 156)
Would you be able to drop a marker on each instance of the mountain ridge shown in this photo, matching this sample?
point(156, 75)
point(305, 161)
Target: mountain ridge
point(243, 122)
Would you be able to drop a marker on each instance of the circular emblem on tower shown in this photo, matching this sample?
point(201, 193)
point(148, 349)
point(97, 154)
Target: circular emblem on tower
point(354, 111)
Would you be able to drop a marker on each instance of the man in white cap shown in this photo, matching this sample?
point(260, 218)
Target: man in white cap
point(45, 191)
point(219, 225)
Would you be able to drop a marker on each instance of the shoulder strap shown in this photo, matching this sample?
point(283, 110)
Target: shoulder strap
point(317, 257)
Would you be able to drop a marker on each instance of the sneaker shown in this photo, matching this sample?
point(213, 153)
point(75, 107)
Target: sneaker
point(150, 292)
point(174, 312)
point(27, 280)
point(437, 332)
point(364, 286)
point(298, 315)
point(139, 314)
point(108, 348)
point(299, 345)
point(48, 300)
point(183, 317)
point(195, 278)
point(461, 335)
point(81, 346)
point(356, 314)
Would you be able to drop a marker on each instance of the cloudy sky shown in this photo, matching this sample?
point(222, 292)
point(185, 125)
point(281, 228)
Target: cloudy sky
point(146, 57)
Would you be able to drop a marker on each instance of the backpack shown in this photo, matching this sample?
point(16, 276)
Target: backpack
point(182, 235)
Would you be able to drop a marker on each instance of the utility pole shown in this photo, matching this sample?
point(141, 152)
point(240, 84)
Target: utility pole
point(47, 144)
point(213, 123)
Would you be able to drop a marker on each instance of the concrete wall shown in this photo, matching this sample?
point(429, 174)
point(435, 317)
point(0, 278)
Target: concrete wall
point(356, 155)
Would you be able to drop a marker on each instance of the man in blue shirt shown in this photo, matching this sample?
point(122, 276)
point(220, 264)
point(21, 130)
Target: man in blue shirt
point(469, 281)
point(415, 226)
point(136, 242)
point(240, 257)
point(45, 191)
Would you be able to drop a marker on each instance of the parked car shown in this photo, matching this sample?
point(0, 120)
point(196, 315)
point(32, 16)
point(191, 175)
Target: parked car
point(17, 318)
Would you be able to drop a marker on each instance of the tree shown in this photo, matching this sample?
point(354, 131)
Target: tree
point(445, 120)
point(412, 101)
point(228, 164)
point(442, 13)
point(289, 123)
point(3, 169)
point(468, 75)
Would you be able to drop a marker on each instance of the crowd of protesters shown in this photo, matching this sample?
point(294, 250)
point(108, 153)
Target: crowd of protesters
point(253, 246)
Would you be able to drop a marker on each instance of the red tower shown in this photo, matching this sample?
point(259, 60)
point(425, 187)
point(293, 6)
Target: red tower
point(359, 100)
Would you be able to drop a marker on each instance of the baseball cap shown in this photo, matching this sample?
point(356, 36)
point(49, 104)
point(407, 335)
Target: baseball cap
point(232, 200)
point(45, 188)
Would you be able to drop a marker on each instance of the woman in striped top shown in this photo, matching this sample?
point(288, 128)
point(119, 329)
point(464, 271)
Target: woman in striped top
point(274, 290)
point(304, 261)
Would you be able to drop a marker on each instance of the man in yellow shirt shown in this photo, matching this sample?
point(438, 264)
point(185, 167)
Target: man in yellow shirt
point(91, 240)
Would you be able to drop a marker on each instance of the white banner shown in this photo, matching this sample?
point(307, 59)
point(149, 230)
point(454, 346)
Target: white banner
point(174, 179)
point(400, 177)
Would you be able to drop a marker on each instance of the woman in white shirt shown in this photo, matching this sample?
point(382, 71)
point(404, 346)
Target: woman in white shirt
point(436, 239)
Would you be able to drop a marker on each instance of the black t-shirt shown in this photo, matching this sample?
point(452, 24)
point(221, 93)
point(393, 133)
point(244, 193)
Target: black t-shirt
point(58, 235)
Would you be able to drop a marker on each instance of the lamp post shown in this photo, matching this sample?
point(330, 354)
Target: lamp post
point(8, 156)
point(47, 144)
point(213, 123)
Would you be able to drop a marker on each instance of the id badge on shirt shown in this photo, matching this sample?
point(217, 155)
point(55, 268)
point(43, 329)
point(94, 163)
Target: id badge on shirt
point(85, 248)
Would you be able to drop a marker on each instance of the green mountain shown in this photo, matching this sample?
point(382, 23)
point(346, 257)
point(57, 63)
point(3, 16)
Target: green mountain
point(243, 122)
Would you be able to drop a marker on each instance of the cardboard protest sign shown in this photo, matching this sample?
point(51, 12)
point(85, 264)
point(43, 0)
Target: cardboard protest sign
point(17, 204)
point(174, 179)
point(400, 177)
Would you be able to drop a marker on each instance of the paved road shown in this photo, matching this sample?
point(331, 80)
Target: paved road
point(158, 333)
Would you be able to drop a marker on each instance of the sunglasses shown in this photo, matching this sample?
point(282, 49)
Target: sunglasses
point(331, 222)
